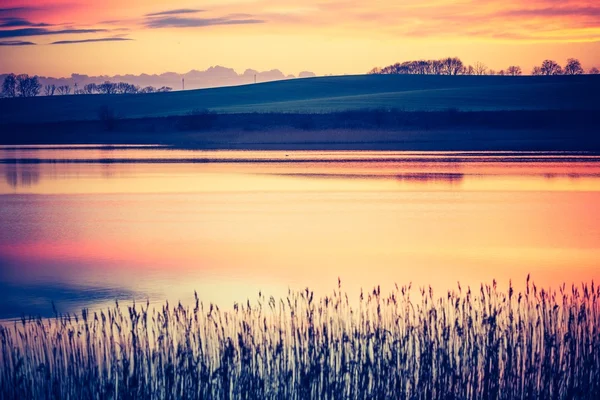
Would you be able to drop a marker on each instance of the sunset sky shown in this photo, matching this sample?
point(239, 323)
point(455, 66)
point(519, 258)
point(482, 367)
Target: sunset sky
point(60, 37)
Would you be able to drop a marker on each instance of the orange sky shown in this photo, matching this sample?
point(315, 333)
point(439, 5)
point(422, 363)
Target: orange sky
point(327, 36)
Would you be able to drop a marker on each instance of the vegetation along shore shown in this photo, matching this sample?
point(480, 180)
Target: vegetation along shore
point(403, 112)
point(463, 344)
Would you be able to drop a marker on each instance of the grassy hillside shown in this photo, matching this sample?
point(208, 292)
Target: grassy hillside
point(408, 92)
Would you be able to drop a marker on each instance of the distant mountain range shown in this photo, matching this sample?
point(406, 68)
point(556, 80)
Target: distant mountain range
point(194, 79)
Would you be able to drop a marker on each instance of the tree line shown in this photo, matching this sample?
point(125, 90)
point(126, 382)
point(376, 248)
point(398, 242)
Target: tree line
point(29, 86)
point(24, 85)
point(455, 66)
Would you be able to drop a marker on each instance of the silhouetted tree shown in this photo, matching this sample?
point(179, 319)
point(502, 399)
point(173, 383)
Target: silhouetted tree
point(492, 72)
point(422, 67)
point(126, 88)
point(480, 68)
point(573, 67)
point(391, 69)
point(448, 66)
point(28, 86)
point(9, 86)
point(49, 90)
point(514, 70)
point(107, 88)
point(148, 89)
point(411, 67)
point(164, 89)
point(90, 88)
point(594, 71)
point(550, 67)
point(63, 90)
point(436, 67)
point(452, 66)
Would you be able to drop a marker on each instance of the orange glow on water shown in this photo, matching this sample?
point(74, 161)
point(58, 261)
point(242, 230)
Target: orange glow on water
point(160, 228)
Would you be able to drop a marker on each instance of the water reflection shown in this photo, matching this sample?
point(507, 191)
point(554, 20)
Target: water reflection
point(425, 178)
point(48, 299)
point(22, 175)
point(228, 229)
point(571, 175)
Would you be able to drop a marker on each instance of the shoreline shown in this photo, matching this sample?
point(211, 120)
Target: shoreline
point(331, 140)
point(451, 130)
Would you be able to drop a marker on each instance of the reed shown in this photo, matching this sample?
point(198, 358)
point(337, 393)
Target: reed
point(465, 344)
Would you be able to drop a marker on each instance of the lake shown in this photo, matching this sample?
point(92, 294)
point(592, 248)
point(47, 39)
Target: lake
point(82, 226)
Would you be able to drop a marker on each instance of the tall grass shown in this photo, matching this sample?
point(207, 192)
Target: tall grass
point(483, 344)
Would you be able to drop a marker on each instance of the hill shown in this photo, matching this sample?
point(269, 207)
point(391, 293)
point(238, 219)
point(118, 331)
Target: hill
point(326, 94)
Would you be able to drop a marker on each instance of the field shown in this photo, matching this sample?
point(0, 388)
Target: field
point(464, 344)
point(326, 94)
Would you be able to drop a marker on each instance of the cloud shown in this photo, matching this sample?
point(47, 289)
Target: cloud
point(506, 20)
point(14, 10)
point(175, 12)
point(110, 39)
point(111, 21)
point(177, 22)
point(17, 22)
point(16, 43)
point(13, 33)
point(554, 12)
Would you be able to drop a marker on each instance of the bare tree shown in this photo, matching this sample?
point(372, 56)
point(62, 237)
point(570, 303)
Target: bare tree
point(22, 83)
point(63, 90)
point(49, 90)
point(550, 67)
point(164, 89)
point(514, 70)
point(422, 67)
point(452, 66)
point(35, 87)
point(148, 89)
point(107, 88)
point(436, 67)
point(28, 86)
point(480, 68)
point(90, 88)
point(392, 69)
point(374, 71)
point(126, 88)
point(573, 67)
point(9, 86)
point(594, 71)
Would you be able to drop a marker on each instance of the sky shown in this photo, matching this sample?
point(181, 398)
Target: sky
point(60, 37)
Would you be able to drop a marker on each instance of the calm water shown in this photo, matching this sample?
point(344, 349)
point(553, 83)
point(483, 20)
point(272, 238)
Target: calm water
point(82, 226)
